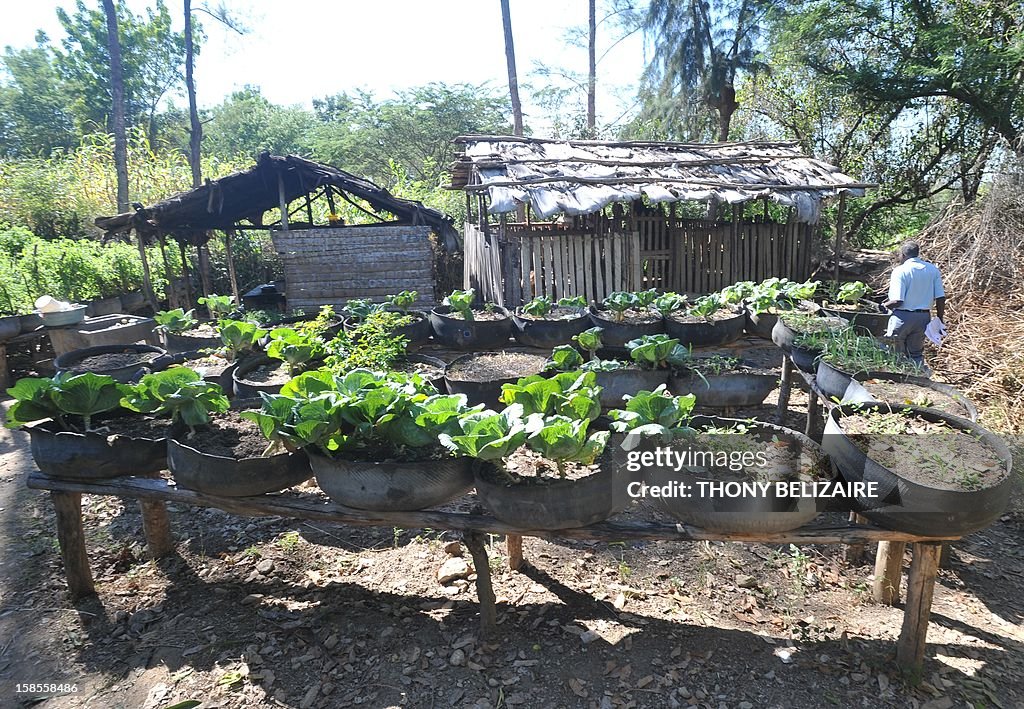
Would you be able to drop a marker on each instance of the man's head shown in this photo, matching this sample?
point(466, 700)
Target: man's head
point(909, 250)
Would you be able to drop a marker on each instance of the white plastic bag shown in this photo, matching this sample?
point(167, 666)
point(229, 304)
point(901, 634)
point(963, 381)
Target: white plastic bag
point(935, 331)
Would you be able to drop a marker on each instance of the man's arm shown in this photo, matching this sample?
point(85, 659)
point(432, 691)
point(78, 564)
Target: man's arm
point(896, 292)
point(940, 308)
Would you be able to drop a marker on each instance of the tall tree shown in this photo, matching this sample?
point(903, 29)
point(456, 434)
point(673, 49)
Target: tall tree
point(117, 99)
point(592, 70)
point(886, 51)
point(700, 48)
point(195, 135)
point(34, 104)
point(513, 79)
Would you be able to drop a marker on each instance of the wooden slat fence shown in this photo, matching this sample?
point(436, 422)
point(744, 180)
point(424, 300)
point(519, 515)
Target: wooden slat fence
point(512, 264)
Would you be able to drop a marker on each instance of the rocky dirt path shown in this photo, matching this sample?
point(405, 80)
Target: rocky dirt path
point(257, 613)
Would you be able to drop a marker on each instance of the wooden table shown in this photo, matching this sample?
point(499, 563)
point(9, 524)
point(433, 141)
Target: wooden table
point(153, 494)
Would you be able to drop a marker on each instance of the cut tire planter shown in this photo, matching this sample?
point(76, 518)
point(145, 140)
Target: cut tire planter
point(10, 326)
point(221, 378)
point(67, 361)
point(844, 386)
point(908, 506)
point(438, 381)
point(858, 391)
point(548, 334)
point(725, 391)
point(187, 343)
point(617, 383)
point(615, 335)
point(234, 477)
point(472, 334)
point(561, 504)
point(94, 456)
point(391, 486)
point(245, 389)
point(760, 324)
point(867, 323)
point(487, 392)
point(706, 334)
point(806, 360)
point(419, 330)
point(745, 515)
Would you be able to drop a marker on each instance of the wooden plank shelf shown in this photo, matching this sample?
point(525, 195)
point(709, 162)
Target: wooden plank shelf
point(154, 493)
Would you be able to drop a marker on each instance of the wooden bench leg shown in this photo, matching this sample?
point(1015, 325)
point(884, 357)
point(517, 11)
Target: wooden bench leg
point(474, 541)
point(157, 528)
point(785, 387)
point(854, 553)
point(71, 536)
point(813, 416)
point(888, 572)
point(514, 547)
point(945, 560)
point(920, 588)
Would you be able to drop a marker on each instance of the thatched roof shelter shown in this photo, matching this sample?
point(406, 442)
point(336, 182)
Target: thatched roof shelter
point(582, 177)
point(272, 182)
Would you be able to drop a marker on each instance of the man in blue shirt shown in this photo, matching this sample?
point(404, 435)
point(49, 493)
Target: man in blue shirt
point(914, 286)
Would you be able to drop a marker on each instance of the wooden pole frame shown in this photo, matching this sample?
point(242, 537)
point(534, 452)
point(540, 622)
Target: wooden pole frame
point(838, 248)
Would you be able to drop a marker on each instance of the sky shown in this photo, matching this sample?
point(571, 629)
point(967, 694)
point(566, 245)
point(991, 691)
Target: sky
point(297, 50)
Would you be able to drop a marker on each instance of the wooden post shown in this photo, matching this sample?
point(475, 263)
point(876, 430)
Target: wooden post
point(186, 275)
point(172, 292)
point(71, 536)
point(283, 201)
point(920, 588)
point(888, 572)
point(204, 271)
point(474, 541)
point(945, 560)
point(229, 256)
point(785, 387)
point(147, 278)
point(514, 547)
point(838, 249)
point(813, 415)
point(854, 553)
point(157, 528)
point(5, 374)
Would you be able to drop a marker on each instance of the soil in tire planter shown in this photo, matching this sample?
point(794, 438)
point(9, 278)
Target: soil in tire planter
point(427, 371)
point(556, 315)
point(135, 426)
point(229, 435)
point(271, 374)
point(478, 315)
point(113, 360)
point(527, 467)
point(210, 365)
point(913, 395)
point(723, 314)
point(932, 454)
point(633, 316)
point(500, 365)
point(779, 462)
point(202, 331)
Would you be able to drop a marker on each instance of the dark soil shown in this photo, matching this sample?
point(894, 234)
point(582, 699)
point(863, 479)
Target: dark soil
point(772, 460)
point(927, 453)
point(114, 360)
point(229, 435)
point(556, 314)
point(633, 316)
point(136, 426)
point(424, 369)
point(681, 317)
point(207, 365)
point(489, 367)
point(482, 315)
point(527, 467)
point(913, 395)
point(269, 374)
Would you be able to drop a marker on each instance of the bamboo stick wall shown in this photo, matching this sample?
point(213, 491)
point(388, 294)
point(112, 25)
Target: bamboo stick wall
point(511, 264)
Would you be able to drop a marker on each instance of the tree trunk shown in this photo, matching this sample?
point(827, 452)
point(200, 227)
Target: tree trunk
point(727, 106)
point(592, 74)
point(195, 126)
point(117, 96)
point(513, 80)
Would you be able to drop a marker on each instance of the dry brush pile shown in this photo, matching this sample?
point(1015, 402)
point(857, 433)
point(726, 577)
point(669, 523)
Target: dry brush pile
point(980, 249)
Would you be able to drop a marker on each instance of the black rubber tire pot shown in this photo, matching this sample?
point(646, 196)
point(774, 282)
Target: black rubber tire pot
point(617, 383)
point(221, 378)
point(487, 392)
point(103, 306)
point(93, 456)
point(30, 322)
point(560, 504)
point(706, 334)
point(783, 335)
point(186, 343)
point(68, 360)
point(760, 514)
point(907, 506)
point(391, 486)
point(10, 326)
point(470, 335)
point(760, 324)
point(725, 391)
point(548, 334)
point(243, 388)
point(234, 477)
point(132, 301)
point(806, 360)
point(857, 391)
point(615, 335)
point(419, 330)
point(438, 381)
point(874, 324)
